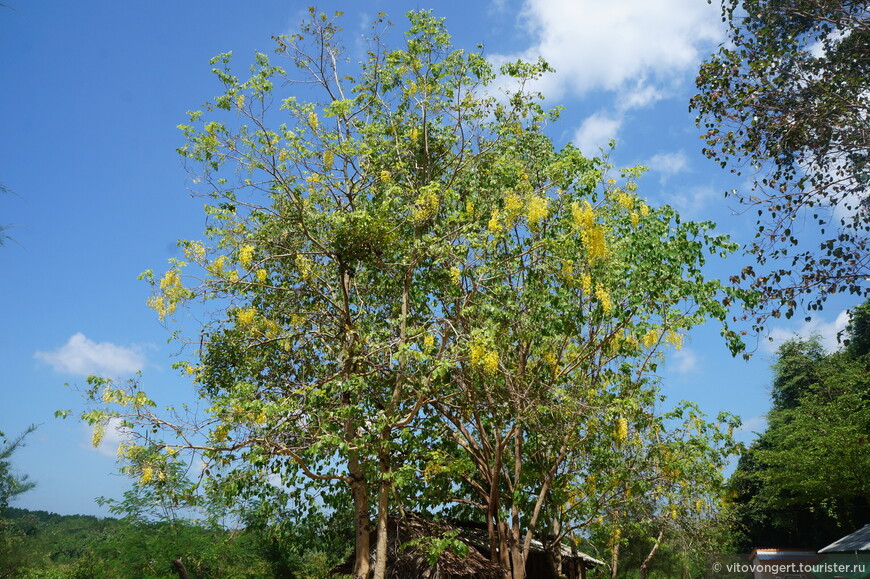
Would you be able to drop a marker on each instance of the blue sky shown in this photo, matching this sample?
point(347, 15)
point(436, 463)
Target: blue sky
point(93, 91)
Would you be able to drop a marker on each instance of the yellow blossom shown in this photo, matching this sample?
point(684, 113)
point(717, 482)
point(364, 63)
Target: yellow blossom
point(537, 210)
point(425, 207)
point(303, 264)
point(240, 101)
point(428, 341)
point(644, 209)
point(328, 158)
point(513, 204)
point(246, 316)
point(650, 338)
point(621, 430)
point(246, 254)
point(583, 215)
point(455, 275)
point(675, 339)
point(414, 134)
point(312, 120)
point(262, 274)
point(494, 226)
point(386, 176)
point(626, 200)
point(476, 353)
point(147, 475)
point(604, 299)
point(586, 281)
point(469, 208)
point(490, 362)
point(635, 219)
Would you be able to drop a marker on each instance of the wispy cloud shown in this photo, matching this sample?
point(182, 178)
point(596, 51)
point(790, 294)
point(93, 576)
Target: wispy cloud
point(683, 361)
point(596, 131)
point(82, 357)
point(827, 332)
point(754, 424)
point(668, 164)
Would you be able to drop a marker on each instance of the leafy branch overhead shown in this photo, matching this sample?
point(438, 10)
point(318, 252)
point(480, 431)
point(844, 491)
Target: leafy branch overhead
point(785, 103)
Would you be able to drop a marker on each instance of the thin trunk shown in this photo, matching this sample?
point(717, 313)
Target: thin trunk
point(614, 561)
point(383, 506)
point(362, 566)
point(554, 550)
point(645, 565)
point(504, 559)
point(518, 563)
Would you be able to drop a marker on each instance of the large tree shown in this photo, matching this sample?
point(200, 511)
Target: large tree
point(785, 102)
point(417, 300)
point(805, 481)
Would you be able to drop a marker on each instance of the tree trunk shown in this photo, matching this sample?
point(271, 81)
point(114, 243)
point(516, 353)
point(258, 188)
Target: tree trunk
point(645, 565)
point(383, 507)
point(614, 561)
point(362, 566)
point(180, 568)
point(554, 549)
point(518, 563)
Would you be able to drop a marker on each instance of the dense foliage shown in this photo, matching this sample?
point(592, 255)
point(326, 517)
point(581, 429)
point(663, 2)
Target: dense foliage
point(804, 482)
point(419, 302)
point(785, 102)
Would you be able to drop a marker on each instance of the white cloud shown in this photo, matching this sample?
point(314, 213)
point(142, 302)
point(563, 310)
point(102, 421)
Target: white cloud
point(636, 47)
point(683, 361)
point(595, 132)
point(754, 424)
point(691, 201)
point(668, 164)
point(827, 332)
point(83, 357)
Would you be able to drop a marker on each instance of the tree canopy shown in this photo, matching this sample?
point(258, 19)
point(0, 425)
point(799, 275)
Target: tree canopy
point(785, 101)
point(419, 302)
point(803, 482)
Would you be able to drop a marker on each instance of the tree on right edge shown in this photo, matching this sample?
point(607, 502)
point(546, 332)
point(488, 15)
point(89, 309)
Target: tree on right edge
point(786, 102)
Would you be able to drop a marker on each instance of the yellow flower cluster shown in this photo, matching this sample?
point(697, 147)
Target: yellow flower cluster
point(537, 210)
point(595, 243)
point(604, 299)
point(651, 338)
point(425, 207)
point(494, 226)
point(455, 275)
point(328, 158)
point(513, 205)
point(386, 176)
point(626, 200)
point(586, 281)
point(486, 359)
point(635, 219)
point(312, 120)
point(621, 430)
point(674, 339)
point(303, 264)
point(171, 292)
point(415, 134)
point(428, 341)
point(195, 250)
point(583, 214)
point(262, 274)
point(591, 234)
point(246, 316)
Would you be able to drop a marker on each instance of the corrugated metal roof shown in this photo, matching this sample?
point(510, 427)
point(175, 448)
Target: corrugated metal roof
point(857, 541)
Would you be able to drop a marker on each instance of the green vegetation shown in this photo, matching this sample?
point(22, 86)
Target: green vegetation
point(804, 482)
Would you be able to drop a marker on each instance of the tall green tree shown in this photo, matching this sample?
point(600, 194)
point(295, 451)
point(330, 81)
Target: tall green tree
point(804, 481)
point(785, 101)
point(413, 291)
